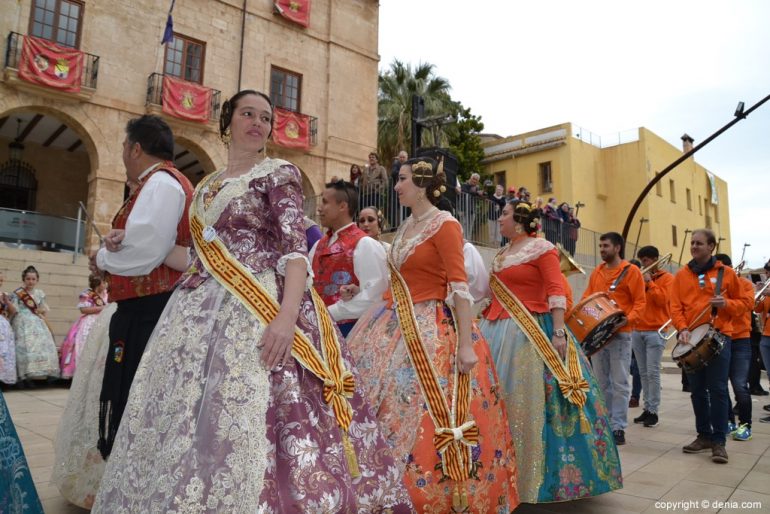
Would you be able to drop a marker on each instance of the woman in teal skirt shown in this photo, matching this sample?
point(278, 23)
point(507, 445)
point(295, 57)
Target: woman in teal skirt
point(558, 420)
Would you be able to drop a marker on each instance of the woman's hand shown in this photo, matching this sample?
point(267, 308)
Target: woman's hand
point(560, 344)
point(276, 342)
point(466, 358)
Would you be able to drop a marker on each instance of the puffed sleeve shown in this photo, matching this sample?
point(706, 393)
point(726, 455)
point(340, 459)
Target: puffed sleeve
point(449, 246)
point(286, 208)
point(84, 300)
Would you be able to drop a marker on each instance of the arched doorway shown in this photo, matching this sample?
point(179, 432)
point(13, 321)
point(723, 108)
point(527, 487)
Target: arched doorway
point(44, 169)
point(191, 160)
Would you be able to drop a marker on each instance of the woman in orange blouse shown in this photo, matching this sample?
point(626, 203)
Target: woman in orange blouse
point(565, 450)
point(406, 361)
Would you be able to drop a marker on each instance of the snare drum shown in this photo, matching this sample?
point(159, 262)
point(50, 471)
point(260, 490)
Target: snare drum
point(594, 321)
point(706, 342)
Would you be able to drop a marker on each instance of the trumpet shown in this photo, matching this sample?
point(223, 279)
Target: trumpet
point(567, 263)
point(655, 266)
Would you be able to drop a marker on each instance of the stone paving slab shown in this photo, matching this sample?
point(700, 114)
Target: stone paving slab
point(658, 476)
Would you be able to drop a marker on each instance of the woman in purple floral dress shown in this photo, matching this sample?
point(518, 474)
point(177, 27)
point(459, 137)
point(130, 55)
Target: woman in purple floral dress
point(221, 416)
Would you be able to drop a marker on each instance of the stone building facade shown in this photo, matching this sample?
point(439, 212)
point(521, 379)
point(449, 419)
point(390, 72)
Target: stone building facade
point(72, 140)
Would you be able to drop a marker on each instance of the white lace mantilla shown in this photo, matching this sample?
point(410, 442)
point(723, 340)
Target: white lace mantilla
point(534, 248)
point(402, 247)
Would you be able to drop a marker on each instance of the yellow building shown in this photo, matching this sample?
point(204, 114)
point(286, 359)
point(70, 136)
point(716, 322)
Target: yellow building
point(573, 165)
point(72, 139)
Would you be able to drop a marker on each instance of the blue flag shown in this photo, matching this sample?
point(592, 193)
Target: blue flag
point(168, 34)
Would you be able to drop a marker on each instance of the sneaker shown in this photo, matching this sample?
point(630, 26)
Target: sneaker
point(719, 454)
point(743, 433)
point(731, 427)
point(766, 407)
point(758, 391)
point(766, 419)
point(619, 436)
point(642, 417)
point(651, 421)
point(699, 445)
point(633, 402)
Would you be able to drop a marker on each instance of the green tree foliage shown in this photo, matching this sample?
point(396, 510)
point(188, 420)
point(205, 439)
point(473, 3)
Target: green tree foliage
point(397, 85)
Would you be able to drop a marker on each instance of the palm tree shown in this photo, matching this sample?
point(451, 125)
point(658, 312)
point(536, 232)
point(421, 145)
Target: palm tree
point(396, 88)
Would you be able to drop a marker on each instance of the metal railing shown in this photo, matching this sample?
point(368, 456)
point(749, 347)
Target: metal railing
point(155, 95)
point(478, 217)
point(13, 57)
point(27, 229)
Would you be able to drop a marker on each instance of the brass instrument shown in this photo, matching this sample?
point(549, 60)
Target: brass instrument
point(667, 331)
point(739, 268)
point(567, 263)
point(655, 266)
point(760, 295)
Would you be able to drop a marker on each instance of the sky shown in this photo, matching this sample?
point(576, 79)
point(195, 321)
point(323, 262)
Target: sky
point(609, 67)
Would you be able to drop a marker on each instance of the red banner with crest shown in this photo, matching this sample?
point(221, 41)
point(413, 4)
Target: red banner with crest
point(48, 64)
point(186, 100)
point(291, 129)
point(297, 11)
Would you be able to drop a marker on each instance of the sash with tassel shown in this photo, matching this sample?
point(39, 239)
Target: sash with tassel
point(31, 304)
point(454, 432)
point(569, 376)
point(338, 383)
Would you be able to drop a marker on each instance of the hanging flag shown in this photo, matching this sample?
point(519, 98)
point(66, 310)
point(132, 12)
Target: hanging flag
point(186, 100)
point(291, 129)
point(713, 184)
point(45, 63)
point(297, 11)
point(168, 33)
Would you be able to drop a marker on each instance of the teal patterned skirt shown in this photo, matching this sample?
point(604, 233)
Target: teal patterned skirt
point(17, 491)
point(556, 461)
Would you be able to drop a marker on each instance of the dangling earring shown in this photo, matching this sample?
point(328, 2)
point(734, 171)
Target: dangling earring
point(226, 137)
point(518, 229)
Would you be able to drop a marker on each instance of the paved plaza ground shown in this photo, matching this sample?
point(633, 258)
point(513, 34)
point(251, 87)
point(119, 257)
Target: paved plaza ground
point(655, 470)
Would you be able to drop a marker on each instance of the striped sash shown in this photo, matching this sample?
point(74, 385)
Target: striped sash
point(455, 433)
point(569, 376)
point(338, 382)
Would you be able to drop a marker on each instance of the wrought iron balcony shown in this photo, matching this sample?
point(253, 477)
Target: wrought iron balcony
point(155, 96)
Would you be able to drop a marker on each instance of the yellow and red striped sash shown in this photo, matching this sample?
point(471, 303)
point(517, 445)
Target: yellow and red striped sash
point(569, 376)
point(454, 432)
point(338, 382)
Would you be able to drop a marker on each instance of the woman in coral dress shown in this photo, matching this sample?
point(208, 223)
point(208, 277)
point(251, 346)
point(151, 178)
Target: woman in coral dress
point(428, 372)
point(228, 411)
point(556, 412)
point(90, 302)
point(36, 354)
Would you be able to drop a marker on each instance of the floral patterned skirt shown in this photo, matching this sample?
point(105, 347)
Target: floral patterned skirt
point(208, 429)
point(36, 354)
point(17, 490)
point(78, 465)
point(556, 461)
point(391, 382)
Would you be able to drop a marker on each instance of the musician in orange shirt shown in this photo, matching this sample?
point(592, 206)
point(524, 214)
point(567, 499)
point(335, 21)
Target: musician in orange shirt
point(706, 285)
point(625, 285)
point(648, 345)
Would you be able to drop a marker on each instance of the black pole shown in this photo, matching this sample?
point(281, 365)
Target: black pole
point(418, 110)
point(243, 38)
point(739, 115)
point(684, 244)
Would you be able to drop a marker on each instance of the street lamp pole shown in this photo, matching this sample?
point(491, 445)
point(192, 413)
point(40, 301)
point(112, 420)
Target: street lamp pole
point(687, 232)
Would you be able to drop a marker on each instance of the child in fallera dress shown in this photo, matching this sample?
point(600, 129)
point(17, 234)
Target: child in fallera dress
point(7, 345)
point(36, 355)
point(90, 302)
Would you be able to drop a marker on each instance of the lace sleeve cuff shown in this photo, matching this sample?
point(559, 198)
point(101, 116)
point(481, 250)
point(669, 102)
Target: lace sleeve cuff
point(458, 289)
point(557, 302)
point(280, 268)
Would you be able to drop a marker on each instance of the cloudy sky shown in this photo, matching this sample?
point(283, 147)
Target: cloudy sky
point(610, 66)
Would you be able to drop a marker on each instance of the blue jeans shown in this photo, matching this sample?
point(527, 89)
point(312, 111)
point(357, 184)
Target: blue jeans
point(709, 396)
point(740, 361)
point(611, 365)
point(636, 379)
point(764, 349)
point(648, 348)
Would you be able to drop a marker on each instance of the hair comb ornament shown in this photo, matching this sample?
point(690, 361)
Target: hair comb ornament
point(420, 167)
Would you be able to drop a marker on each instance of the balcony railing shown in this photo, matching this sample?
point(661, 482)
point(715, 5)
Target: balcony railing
point(15, 43)
point(41, 231)
point(155, 95)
